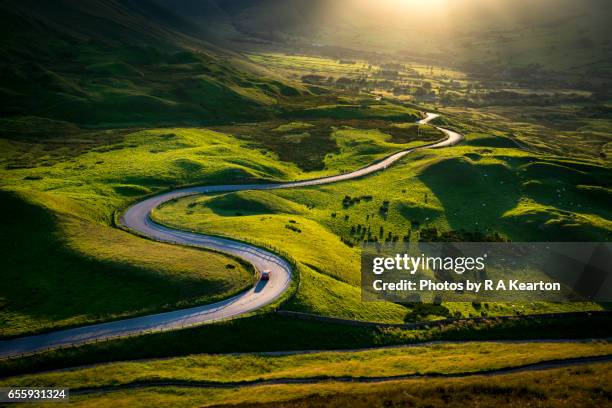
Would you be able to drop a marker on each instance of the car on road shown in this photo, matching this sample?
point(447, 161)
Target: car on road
point(265, 275)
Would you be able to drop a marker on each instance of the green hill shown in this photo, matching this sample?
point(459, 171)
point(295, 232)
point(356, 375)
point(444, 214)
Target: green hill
point(113, 63)
point(252, 202)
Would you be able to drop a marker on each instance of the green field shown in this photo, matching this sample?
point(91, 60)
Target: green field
point(83, 181)
point(73, 189)
point(69, 191)
point(270, 333)
point(484, 189)
point(523, 174)
point(568, 387)
point(108, 102)
point(384, 362)
point(97, 273)
point(330, 146)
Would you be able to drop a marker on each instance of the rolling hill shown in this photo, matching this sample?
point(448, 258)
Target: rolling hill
point(117, 63)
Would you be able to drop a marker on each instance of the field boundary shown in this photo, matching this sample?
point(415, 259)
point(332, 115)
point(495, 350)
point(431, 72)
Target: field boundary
point(541, 365)
point(439, 323)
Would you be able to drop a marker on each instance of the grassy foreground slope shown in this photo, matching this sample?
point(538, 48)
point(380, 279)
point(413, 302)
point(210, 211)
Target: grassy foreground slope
point(67, 270)
point(68, 265)
point(271, 333)
point(565, 387)
point(451, 358)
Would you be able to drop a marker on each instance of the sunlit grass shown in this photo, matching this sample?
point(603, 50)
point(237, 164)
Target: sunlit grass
point(443, 359)
point(478, 186)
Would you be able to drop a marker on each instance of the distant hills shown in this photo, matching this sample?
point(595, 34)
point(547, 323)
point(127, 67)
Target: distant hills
point(572, 35)
point(114, 21)
point(110, 63)
point(118, 63)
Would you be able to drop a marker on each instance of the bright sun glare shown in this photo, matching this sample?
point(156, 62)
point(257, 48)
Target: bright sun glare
point(420, 3)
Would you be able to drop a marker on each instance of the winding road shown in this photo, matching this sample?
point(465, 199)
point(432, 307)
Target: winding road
point(137, 219)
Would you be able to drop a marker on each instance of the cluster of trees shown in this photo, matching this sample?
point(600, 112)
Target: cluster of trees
point(510, 98)
point(385, 77)
point(349, 201)
point(363, 233)
point(432, 234)
point(346, 83)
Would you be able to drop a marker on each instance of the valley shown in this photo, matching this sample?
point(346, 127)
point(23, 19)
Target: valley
point(155, 158)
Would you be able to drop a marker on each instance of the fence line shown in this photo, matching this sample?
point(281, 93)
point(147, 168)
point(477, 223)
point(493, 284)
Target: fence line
point(437, 323)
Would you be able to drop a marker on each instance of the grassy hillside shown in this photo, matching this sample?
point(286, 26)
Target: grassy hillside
point(69, 265)
point(68, 270)
point(469, 357)
point(565, 387)
point(122, 63)
point(272, 333)
point(484, 189)
point(329, 146)
point(69, 184)
point(569, 386)
point(522, 389)
point(560, 35)
point(568, 130)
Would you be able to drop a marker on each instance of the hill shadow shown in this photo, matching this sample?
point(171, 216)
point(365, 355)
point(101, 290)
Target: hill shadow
point(473, 195)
